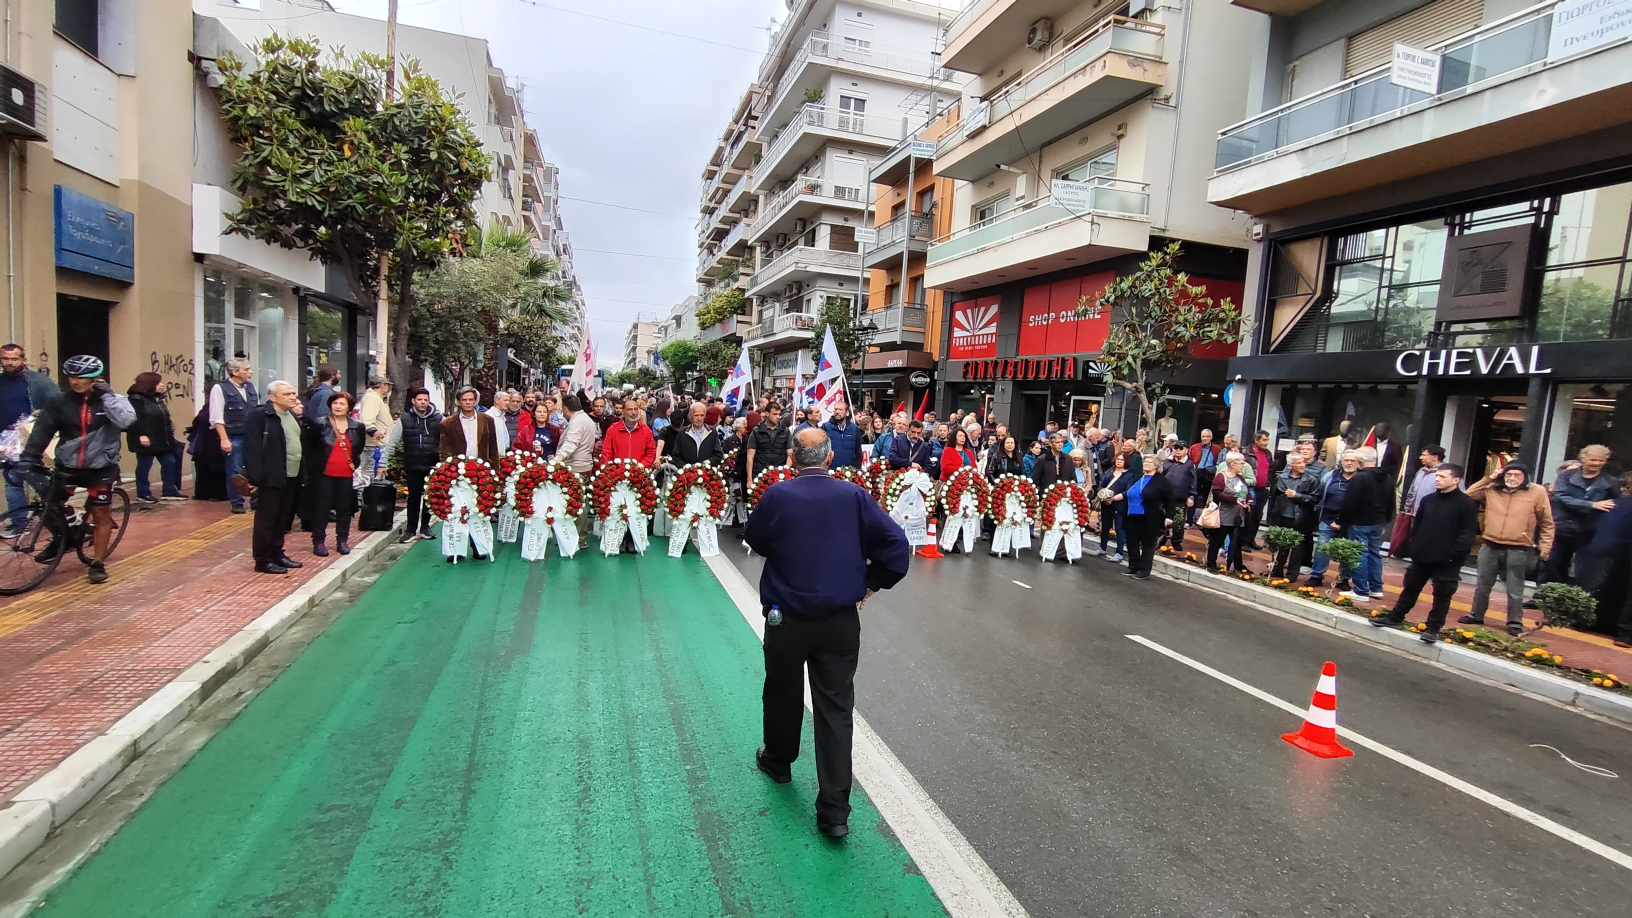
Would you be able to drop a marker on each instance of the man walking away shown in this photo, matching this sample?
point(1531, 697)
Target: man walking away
point(272, 463)
point(1447, 521)
point(230, 401)
point(418, 433)
point(827, 547)
point(1516, 511)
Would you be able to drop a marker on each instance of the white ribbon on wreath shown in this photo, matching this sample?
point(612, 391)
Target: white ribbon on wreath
point(549, 502)
point(1013, 530)
point(694, 515)
point(474, 531)
point(911, 507)
point(965, 522)
point(625, 516)
point(660, 517)
point(1066, 531)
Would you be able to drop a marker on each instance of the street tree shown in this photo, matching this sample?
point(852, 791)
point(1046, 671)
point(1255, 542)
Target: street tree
point(329, 166)
point(1157, 318)
point(680, 356)
point(716, 358)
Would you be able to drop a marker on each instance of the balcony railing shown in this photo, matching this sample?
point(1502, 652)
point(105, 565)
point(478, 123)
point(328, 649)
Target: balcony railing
point(808, 255)
point(965, 16)
point(1507, 46)
point(1105, 196)
point(780, 325)
point(821, 45)
point(1132, 37)
point(816, 116)
point(896, 230)
point(898, 324)
point(807, 185)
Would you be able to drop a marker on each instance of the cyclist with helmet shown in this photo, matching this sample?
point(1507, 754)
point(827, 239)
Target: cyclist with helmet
point(87, 420)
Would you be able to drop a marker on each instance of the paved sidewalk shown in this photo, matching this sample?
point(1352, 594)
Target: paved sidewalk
point(1578, 648)
point(75, 657)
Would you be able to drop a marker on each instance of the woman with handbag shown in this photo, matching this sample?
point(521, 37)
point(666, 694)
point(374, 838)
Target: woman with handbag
point(335, 444)
point(1232, 501)
point(1117, 479)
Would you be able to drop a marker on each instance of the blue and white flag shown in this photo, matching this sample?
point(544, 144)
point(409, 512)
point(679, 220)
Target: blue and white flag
point(736, 383)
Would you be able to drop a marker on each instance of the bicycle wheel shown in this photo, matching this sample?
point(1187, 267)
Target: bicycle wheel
point(30, 557)
point(121, 522)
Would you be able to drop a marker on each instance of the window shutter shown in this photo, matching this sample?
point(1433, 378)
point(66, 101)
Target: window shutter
point(1424, 26)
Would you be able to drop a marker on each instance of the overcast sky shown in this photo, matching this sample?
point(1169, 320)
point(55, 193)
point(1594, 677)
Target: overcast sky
point(629, 109)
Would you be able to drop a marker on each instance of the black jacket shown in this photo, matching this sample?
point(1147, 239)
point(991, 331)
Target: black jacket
point(1367, 501)
point(421, 439)
point(1158, 496)
point(682, 450)
point(998, 464)
point(1445, 527)
point(1050, 467)
point(153, 422)
point(1297, 511)
point(265, 449)
point(770, 446)
point(319, 442)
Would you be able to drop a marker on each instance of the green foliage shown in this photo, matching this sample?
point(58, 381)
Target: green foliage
point(813, 94)
point(680, 356)
point(1346, 552)
point(1568, 605)
point(720, 306)
point(330, 167)
point(1282, 538)
point(836, 314)
point(1157, 316)
point(716, 358)
point(640, 377)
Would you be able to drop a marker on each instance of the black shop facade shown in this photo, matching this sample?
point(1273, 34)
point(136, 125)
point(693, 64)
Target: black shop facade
point(1023, 355)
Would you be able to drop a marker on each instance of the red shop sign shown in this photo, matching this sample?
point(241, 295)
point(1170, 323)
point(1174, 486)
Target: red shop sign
point(974, 329)
point(1021, 369)
point(1049, 323)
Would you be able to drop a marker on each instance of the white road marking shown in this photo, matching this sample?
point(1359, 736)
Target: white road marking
point(1022, 585)
point(962, 880)
point(1613, 855)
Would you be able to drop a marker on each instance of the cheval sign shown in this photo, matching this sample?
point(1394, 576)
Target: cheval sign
point(1512, 360)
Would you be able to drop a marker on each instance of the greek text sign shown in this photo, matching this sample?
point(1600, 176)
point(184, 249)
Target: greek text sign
point(1581, 25)
point(1414, 68)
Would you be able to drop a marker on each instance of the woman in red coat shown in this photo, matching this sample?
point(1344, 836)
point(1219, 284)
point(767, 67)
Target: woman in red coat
point(958, 455)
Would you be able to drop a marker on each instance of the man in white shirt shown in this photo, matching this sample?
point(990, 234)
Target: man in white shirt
point(501, 404)
point(230, 402)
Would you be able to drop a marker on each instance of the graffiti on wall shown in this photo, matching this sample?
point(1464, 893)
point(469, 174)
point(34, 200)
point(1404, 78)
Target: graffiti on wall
point(175, 369)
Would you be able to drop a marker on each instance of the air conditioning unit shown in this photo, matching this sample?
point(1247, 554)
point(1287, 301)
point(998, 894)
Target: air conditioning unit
point(781, 240)
point(1040, 34)
point(800, 225)
point(22, 105)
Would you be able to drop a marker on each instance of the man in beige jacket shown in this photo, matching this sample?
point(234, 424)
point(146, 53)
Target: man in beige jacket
point(577, 449)
point(375, 413)
point(1516, 512)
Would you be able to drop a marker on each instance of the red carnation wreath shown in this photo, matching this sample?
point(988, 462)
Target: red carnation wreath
point(1061, 491)
point(855, 476)
point(515, 460)
point(701, 475)
point(475, 472)
point(897, 482)
point(776, 474)
point(537, 476)
point(728, 460)
point(1013, 484)
point(624, 471)
point(876, 472)
point(966, 480)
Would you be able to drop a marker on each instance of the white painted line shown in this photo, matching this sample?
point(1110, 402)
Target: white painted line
point(1613, 855)
point(962, 880)
point(1022, 585)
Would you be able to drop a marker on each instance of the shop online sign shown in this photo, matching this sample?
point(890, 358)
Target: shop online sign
point(1512, 360)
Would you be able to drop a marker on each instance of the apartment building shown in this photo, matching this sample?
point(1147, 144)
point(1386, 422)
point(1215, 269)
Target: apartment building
point(1086, 140)
point(288, 313)
point(640, 344)
point(1445, 250)
point(728, 211)
point(842, 82)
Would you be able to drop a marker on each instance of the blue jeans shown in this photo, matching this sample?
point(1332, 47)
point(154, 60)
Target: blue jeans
point(169, 472)
point(1369, 578)
point(1317, 569)
point(235, 466)
point(16, 499)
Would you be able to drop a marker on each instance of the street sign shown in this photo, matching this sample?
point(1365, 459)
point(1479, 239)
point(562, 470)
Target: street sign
point(866, 235)
point(1415, 69)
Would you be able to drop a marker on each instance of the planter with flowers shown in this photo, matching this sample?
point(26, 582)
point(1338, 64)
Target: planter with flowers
point(966, 500)
point(624, 499)
point(698, 499)
point(549, 499)
point(464, 493)
point(1013, 510)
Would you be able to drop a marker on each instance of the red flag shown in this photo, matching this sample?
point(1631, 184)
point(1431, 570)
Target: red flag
point(899, 407)
point(1371, 437)
point(922, 407)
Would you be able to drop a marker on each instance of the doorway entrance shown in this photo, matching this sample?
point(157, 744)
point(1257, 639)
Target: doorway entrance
point(1498, 428)
point(82, 328)
point(1033, 414)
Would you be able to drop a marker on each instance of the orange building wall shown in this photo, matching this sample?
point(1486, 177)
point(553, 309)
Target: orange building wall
point(885, 198)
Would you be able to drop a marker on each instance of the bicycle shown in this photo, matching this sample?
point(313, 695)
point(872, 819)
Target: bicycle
point(52, 525)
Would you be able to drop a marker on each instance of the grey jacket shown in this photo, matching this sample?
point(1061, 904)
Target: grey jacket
point(86, 439)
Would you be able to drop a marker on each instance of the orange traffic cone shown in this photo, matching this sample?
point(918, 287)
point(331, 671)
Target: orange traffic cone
point(1319, 734)
point(933, 549)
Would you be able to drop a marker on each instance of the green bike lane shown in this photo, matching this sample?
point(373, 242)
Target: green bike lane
point(564, 737)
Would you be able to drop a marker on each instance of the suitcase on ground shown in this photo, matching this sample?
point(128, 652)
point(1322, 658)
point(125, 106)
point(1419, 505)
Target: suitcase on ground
point(379, 507)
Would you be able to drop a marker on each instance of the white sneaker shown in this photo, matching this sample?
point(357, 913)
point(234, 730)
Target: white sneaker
point(1355, 597)
point(1115, 557)
point(1379, 595)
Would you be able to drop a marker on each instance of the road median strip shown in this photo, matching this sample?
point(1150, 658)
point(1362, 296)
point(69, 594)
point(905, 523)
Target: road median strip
point(53, 798)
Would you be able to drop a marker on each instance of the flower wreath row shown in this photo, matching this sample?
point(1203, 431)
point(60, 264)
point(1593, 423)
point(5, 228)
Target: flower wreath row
point(516, 460)
point(963, 481)
point(896, 484)
point(471, 470)
point(855, 476)
point(1058, 493)
point(701, 475)
point(773, 475)
point(876, 471)
point(1014, 484)
point(536, 476)
point(623, 471)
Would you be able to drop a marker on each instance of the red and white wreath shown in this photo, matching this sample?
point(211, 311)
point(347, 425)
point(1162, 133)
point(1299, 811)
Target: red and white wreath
point(855, 476)
point(623, 471)
point(1059, 493)
point(898, 483)
point(876, 471)
point(516, 460)
point(447, 485)
point(530, 479)
point(1025, 492)
point(967, 481)
point(706, 480)
point(727, 461)
point(773, 475)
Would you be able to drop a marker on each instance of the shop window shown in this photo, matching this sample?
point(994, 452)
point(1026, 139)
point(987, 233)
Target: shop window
point(1587, 415)
point(1586, 281)
point(215, 328)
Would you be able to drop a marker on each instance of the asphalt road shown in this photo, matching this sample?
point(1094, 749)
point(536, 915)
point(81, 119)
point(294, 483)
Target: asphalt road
point(1097, 776)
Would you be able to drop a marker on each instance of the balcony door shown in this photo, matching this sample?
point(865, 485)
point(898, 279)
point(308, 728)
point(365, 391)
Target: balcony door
point(852, 114)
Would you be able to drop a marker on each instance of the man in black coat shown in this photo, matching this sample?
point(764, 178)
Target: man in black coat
point(690, 441)
point(1442, 535)
point(827, 547)
point(768, 444)
point(272, 463)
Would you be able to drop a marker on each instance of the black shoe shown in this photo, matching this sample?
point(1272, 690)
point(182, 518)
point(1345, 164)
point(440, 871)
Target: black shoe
point(50, 553)
point(426, 534)
point(1128, 574)
point(1141, 576)
point(834, 830)
point(289, 562)
point(1315, 582)
point(1429, 637)
point(408, 537)
point(781, 775)
point(97, 573)
point(269, 567)
point(1470, 620)
point(1530, 604)
point(1515, 630)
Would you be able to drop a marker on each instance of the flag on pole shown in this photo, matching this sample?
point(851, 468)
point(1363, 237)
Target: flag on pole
point(828, 387)
point(736, 383)
point(583, 370)
point(801, 398)
point(923, 407)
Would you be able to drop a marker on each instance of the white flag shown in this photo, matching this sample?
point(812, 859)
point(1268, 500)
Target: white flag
point(828, 388)
point(735, 389)
point(583, 371)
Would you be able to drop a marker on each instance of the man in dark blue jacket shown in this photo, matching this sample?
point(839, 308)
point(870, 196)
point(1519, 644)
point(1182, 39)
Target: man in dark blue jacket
point(845, 437)
point(912, 449)
point(1442, 535)
point(827, 547)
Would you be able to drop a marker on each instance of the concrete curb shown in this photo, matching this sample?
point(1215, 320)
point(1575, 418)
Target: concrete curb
point(1469, 662)
point(55, 796)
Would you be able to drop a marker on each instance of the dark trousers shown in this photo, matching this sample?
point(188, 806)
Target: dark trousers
point(829, 648)
point(274, 510)
point(1215, 542)
point(1444, 575)
point(335, 494)
point(169, 472)
point(1249, 526)
point(1112, 520)
point(1566, 546)
point(1144, 534)
point(419, 512)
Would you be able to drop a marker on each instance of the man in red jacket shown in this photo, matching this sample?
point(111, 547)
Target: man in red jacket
point(630, 438)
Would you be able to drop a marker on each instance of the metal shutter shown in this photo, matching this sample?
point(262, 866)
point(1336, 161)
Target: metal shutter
point(1427, 25)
